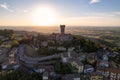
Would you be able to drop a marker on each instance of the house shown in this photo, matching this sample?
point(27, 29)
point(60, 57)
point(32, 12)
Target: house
point(88, 69)
point(6, 44)
point(105, 57)
point(101, 52)
point(78, 48)
point(3, 55)
point(110, 73)
point(44, 44)
point(103, 63)
point(113, 54)
point(12, 66)
point(71, 77)
point(64, 57)
point(62, 38)
point(77, 66)
point(12, 55)
point(61, 48)
point(2, 37)
point(42, 68)
point(45, 76)
point(1, 52)
point(91, 57)
point(54, 76)
point(71, 49)
point(75, 55)
point(82, 56)
point(72, 55)
point(5, 39)
point(113, 64)
point(39, 70)
point(5, 64)
point(96, 76)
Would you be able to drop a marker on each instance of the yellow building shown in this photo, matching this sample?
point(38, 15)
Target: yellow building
point(96, 76)
point(77, 64)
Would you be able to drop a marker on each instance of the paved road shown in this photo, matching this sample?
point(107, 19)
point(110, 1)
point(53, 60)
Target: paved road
point(4, 55)
point(29, 60)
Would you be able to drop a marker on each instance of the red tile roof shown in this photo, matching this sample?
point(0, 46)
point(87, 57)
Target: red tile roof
point(111, 70)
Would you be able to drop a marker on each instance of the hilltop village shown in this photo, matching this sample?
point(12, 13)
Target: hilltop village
point(57, 56)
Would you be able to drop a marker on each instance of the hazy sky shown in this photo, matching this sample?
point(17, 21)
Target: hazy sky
point(69, 12)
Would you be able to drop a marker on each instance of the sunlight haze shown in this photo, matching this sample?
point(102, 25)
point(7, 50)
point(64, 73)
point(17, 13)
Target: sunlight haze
point(55, 12)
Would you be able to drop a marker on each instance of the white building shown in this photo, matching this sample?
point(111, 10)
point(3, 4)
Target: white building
point(45, 76)
point(44, 43)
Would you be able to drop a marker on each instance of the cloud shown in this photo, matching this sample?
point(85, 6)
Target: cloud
point(117, 13)
point(6, 7)
point(100, 14)
point(25, 11)
point(94, 1)
point(21, 11)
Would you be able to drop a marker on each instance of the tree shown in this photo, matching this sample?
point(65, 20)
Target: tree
point(6, 32)
point(15, 43)
point(19, 75)
point(62, 68)
point(90, 46)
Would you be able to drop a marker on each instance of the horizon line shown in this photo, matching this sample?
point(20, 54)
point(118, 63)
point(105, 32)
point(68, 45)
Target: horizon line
point(57, 26)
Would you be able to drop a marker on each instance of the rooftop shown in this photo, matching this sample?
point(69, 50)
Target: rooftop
point(70, 76)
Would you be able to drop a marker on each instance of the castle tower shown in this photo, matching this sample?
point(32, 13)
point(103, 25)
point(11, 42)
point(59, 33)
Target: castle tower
point(62, 27)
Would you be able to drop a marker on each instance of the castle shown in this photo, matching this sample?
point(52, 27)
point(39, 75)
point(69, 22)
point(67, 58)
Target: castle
point(62, 36)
